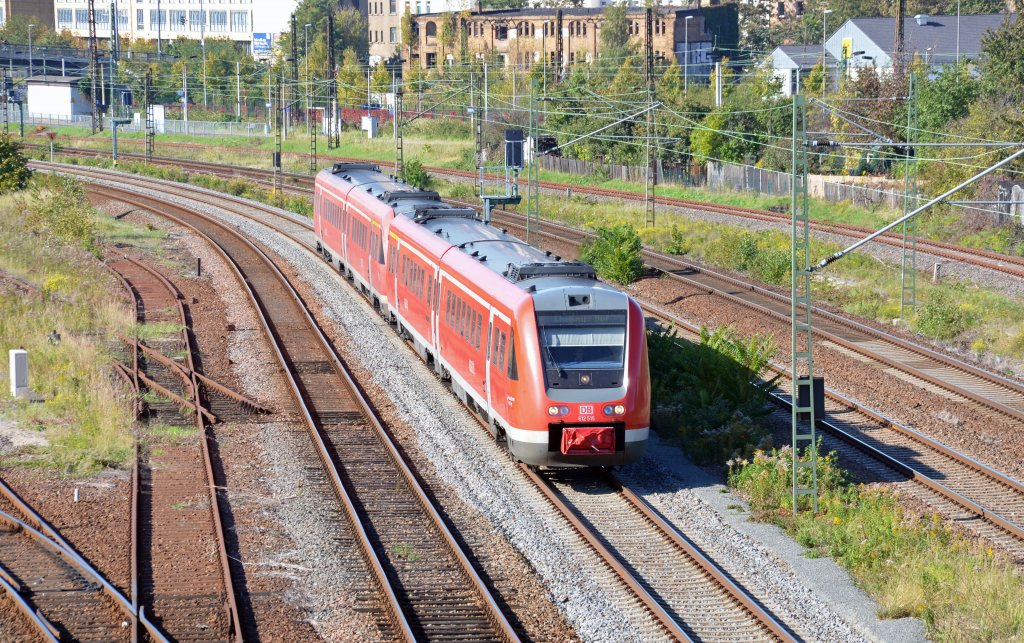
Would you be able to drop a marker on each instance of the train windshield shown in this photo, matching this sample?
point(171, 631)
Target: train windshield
point(582, 340)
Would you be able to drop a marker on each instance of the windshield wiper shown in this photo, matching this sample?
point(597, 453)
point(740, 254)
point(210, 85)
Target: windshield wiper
point(547, 349)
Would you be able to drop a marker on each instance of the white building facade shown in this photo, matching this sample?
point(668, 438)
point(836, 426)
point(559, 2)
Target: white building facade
point(170, 19)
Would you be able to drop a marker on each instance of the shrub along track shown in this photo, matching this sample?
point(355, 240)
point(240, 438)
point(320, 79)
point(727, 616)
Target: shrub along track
point(1006, 264)
point(181, 571)
point(658, 565)
point(427, 586)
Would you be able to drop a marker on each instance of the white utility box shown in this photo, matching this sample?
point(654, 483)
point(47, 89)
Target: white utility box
point(370, 125)
point(19, 373)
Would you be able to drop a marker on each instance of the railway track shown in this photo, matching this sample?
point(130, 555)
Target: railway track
point(182, 578)
point(426, 583)
point(676, 615)
point(56, 590)
point(1006, 264)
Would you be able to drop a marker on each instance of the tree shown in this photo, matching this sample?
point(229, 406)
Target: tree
point(1002, 60)
point(351, 83)
point(350, 30)
point(408, 36)
point(755, 30)
point(946, 97)
point(615, 33)
point(14, 172)
point(381, 79)
point(447, 37)
point(615, 254)
point(669, 87)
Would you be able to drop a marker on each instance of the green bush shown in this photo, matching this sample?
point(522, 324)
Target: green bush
point(61, 210)
point(942, 317)
point(417, 176)
point(615, 254)
point(708, 394)
point(678, 244)
point(14, 172)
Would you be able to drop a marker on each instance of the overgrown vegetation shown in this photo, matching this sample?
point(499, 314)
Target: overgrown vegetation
point(708, 395)
point(615, 254)
point(417, 176)
point(14, 172)
point(49, 238)
point(912, 565)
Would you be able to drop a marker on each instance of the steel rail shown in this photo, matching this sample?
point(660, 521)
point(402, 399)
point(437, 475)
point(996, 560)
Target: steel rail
point(35, 616)
point(904, 468)
point(755, 609)
point(234, 621)
point(491, 609)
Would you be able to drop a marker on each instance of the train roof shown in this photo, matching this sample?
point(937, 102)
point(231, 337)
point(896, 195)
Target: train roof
point(499, 251)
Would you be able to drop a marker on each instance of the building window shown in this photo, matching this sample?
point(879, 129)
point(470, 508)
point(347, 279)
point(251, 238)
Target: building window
point(501, 32)
point(431, 60)
point(431, 30)
point(240, 21)
point(64, 18)
point(177, 18)
point(393, 5)
point(218, 21)
point(394, 34)
point(195, 21)
point(155, 18)
point(102, 19)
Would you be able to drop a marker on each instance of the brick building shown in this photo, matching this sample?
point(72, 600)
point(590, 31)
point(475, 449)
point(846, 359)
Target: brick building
point(524, 37)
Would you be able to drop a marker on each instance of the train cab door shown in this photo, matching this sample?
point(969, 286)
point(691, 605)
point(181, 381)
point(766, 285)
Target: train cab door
point(498, 386)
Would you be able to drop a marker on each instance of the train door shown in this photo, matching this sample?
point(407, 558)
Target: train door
point(498, 389)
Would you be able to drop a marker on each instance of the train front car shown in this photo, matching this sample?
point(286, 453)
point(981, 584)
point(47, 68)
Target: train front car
point(587, 351)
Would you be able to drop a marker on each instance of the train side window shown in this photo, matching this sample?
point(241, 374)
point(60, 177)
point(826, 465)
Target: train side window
point(501, 353)
point(513, 369)
point(430, 294)
point(463, 318)
point(472, 328)
point(448, 311)
point(479, 329)
point(487, 344)
point(494, 349)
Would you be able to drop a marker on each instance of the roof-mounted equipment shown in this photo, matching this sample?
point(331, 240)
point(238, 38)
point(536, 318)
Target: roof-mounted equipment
point(575, 269)
point(426, 213)
point(420, 195)
point(340, 168)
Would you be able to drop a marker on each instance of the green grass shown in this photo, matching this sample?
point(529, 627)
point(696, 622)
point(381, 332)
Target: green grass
point(913, 565)
point(171, 433)
point(85, 414)
point(157, 330)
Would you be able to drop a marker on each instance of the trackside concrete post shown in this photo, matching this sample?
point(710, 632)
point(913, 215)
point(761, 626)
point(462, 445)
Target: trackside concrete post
point(19, 372)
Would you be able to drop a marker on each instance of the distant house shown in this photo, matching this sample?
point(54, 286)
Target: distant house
point(57, 96)
point(937, 40)
point(791, 64)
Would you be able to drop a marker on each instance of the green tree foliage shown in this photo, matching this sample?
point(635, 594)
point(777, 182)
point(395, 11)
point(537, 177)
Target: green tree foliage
point(62, 211)
point(708, 394)
point(946, 97)
point(417, 176)
point(350, 30)
point(14, 172)
point(1002, 60)
point(615, 254)
point(351, 82)
point(381, 79)
point(15, 31)
point(615, 43)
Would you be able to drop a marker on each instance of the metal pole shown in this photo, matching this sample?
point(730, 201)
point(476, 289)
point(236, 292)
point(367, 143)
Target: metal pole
point(305, 33)
point(908, 266)
point(30, 50)
point(838, 255)
point(238, 90)
point(159, 25)
point(184, 93)
point(485, 91)
point(957, 32)
point(202, 42)
point(824, 52)
point(686, 53)
point(802, 347)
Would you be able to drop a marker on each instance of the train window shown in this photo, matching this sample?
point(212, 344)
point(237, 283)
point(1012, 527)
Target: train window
point(487, 344)
point(479, 329)
point(513, 369)
point(463, 318)
point(494, 349)
point(472, 327)
point(430, 293)
point(448, 310)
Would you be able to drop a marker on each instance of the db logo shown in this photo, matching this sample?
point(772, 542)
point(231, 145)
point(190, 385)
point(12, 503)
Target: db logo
point(586, 409)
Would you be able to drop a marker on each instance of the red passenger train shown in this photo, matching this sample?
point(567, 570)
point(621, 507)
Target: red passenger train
point(552, 359)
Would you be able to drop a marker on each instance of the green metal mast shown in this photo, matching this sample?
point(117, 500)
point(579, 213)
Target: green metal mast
point(908, 271)
point(533, 172)
point(802, 373)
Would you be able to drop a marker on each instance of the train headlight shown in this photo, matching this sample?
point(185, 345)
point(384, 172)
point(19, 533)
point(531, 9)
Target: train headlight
point(585, 379)
point(558, 411)
point(553, 411)
point(614, 410)
point(620, 409)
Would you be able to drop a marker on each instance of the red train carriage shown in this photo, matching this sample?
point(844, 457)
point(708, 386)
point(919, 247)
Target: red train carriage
point(554, 360)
